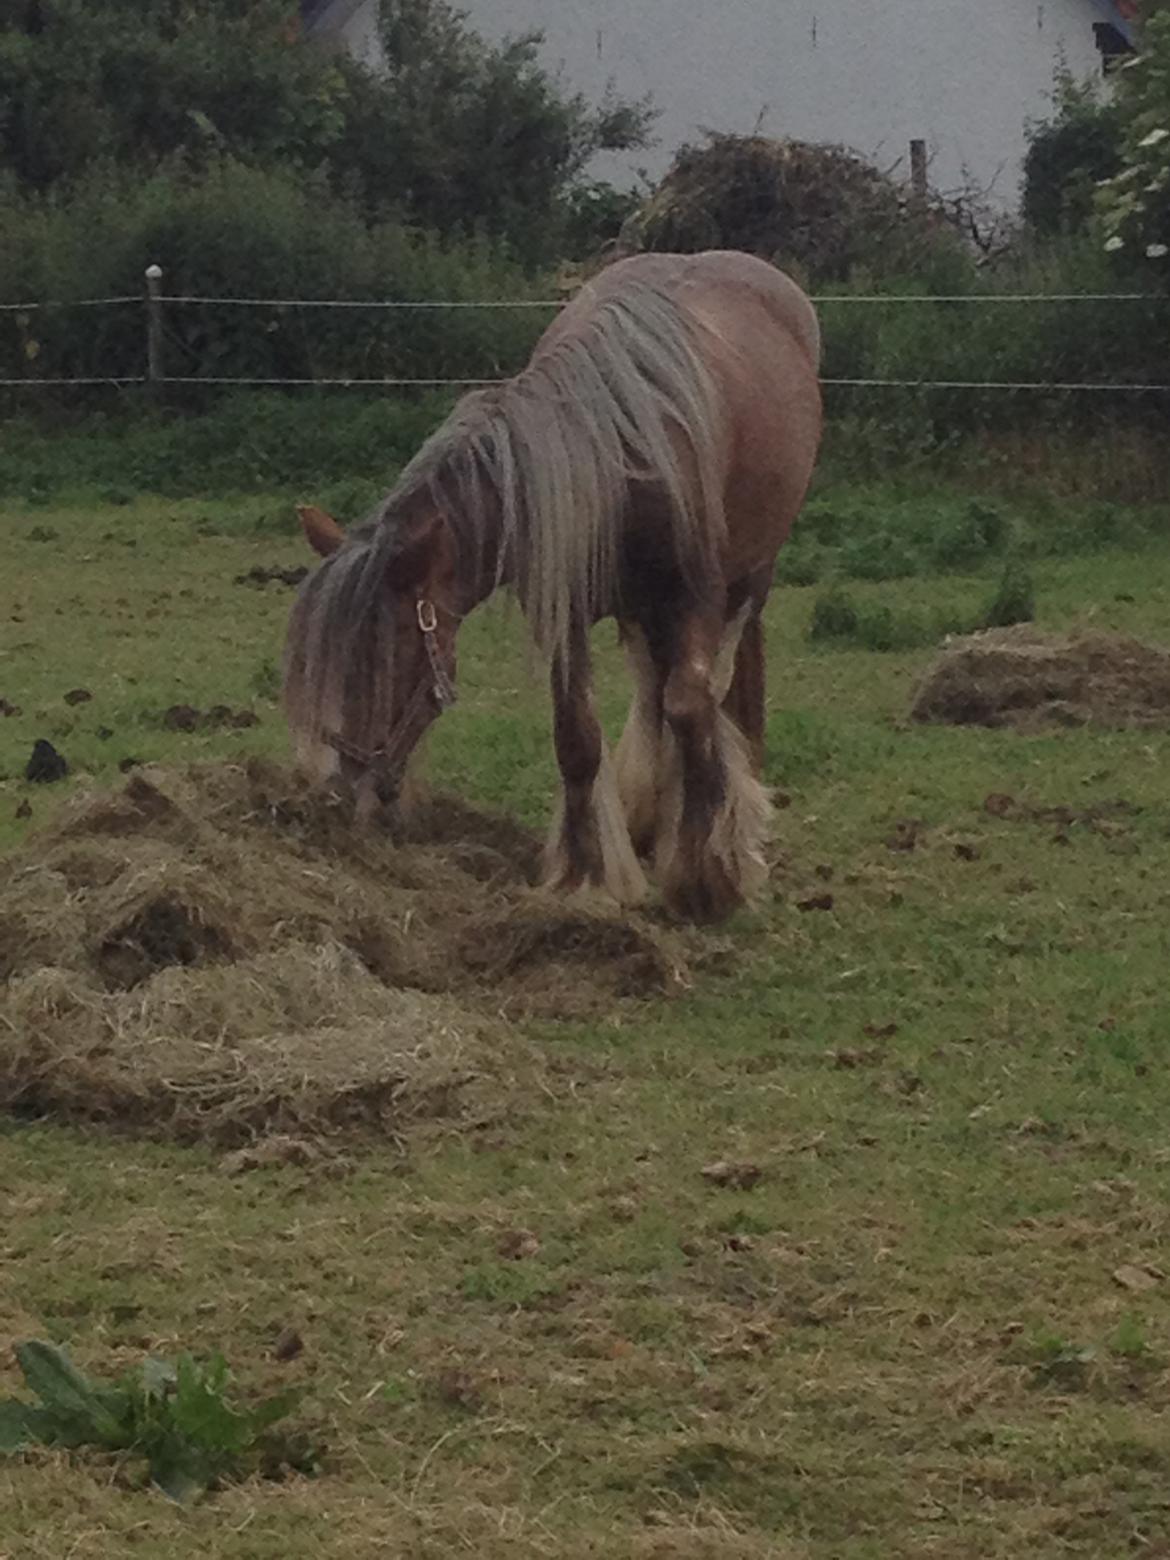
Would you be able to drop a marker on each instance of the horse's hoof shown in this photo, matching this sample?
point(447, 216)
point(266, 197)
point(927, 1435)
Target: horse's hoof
point(708, 897)
point(589, 894)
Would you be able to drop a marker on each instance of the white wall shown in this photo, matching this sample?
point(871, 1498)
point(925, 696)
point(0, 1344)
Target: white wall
point(964, 75)
point(359, 33)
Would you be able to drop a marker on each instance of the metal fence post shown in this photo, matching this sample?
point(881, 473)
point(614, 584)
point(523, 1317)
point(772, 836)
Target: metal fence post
point(154, 326)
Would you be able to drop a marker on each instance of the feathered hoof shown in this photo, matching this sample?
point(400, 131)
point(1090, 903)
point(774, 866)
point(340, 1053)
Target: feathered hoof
point(621, 888)
point(706, 895)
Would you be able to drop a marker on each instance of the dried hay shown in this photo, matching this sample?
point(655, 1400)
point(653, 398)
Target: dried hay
point(219, 953)
point(1021, 677)
point(820, 210)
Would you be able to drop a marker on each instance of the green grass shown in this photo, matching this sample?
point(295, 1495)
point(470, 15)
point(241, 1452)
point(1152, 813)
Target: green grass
point(906, 1341)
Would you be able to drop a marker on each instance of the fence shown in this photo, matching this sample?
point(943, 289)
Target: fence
point(159, 340)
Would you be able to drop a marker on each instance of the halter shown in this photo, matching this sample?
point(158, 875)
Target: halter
point(388, 759)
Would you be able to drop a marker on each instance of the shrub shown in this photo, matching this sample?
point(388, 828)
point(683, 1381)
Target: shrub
point(1135, 204)
point(237, 230)
point(1014, 600)
point(967, 535)
point(1067, 157)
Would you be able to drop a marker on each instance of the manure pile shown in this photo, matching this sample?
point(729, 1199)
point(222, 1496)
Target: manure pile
point(1022, 677)
point(220, 954)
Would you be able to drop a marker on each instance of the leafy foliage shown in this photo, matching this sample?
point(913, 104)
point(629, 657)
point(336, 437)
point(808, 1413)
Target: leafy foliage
point(840, 618)
point(1068, 156)
point(265, 232)
point(177, 1416)
point(450, 133)
point(1135, 203)
point(137, 82)
point(465, 135)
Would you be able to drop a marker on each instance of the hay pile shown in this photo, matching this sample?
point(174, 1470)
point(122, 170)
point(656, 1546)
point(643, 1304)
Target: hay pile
point(219, 953)
point(820, 210)
point(1022, 677)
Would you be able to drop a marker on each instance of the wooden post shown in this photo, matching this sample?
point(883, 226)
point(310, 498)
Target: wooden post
point(154, 326)
point(918, 170)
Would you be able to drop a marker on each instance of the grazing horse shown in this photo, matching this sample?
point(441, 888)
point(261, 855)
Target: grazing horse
point(646, 465)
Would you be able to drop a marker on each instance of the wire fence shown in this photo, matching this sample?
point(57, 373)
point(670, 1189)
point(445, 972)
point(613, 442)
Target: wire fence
point(157, 336)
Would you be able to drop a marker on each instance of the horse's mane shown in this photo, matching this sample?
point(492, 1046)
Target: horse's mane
point(533, 477)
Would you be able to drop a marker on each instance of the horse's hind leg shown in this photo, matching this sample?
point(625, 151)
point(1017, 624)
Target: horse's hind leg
point(744, 701)
point(589, 845)
point(639, 752)
point(715, 812)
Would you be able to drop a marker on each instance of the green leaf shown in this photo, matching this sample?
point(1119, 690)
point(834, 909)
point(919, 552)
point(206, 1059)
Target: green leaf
point(23, 1425)
point(181, 1471)
point(200, 1411)
point(80, 1409)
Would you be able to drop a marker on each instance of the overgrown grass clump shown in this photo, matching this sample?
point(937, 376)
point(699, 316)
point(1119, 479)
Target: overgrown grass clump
point(878, 532)
point(839, 617)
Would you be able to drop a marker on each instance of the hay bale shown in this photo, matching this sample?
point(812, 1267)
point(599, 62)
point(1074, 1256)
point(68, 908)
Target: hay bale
point(1022, 677)
point(220, 953)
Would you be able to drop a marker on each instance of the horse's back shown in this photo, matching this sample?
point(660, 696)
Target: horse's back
point(714, 280)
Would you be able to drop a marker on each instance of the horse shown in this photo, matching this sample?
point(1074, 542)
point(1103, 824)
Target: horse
point(646, 465)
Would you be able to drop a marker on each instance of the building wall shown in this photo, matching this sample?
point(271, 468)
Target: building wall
point(964, 75)
point(359, 33)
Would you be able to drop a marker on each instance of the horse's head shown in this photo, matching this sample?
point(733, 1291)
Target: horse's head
point(370, 658)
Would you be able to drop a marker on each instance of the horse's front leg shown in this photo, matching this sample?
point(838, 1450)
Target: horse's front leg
point(589, 846)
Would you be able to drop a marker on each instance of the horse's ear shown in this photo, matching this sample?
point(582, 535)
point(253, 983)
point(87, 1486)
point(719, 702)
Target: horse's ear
point(424, 555)
point(322, 531)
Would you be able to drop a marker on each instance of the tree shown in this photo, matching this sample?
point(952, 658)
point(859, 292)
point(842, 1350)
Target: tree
point(138, 82)
point(454, 134)
point(467, 135)
point(1068, 157)
point(1135, 203)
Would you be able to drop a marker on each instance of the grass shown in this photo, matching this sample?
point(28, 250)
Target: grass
point(907, 1340)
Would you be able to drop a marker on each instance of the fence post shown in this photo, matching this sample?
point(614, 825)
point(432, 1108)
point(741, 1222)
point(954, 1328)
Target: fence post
point(918, 170)
point(154, 326)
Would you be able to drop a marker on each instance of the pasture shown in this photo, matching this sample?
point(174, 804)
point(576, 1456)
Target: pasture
point(936, 1322)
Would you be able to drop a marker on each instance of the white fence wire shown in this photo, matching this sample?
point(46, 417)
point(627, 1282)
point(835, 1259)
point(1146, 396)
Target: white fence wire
point(155, 300)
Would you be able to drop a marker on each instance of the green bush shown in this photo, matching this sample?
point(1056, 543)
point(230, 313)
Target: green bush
point(967, 535)
point(1014, 600)
point(834, 616)
point(238, 230)
point(452, 133)
point(1067, 157)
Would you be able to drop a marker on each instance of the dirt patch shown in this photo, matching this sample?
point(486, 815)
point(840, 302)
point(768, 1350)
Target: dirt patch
point(185, 717)
point(258, 576)
point(1021, 677)
point(219, 953)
